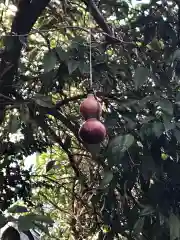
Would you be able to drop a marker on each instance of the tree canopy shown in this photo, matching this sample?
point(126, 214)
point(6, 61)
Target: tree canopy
point(128, 186)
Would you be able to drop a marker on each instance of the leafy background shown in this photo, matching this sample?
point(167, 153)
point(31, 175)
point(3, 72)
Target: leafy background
point(125, 188)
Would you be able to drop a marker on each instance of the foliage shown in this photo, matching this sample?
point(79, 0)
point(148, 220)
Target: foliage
point(127, 187)
point(54, 194)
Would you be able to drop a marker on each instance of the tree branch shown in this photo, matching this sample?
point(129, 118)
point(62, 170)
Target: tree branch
point(98, 16)
point(50, 132)
point(27, 14)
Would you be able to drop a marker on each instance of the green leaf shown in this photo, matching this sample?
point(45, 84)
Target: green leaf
point(94, 149)
point(43, 219)
point(148, 210)
point(25, 223)
point(44, 101)
point(111, 120)
point(167, 122)
point(166, 106)
point(176, 55)
point(158, 128)
point(42, 228)
point(121, 143)
point(33, 53)
point(2, 115)
point(146, 130)
point(117, 148)
point(47, 78)
point(147, 167)
point(138, 226)
point(178, 103)
point(63, 55)
point(3, 221)
point(178, 97)
point(84, 67)
point(28, 221)
point(108, 176)
point(67, 142)
point(156, 44)
point(130, 124)
point(9, 42)
point(174, 225)
point(50, 165)
point(77, 42)
point(72, 66)
point(105, 229)
point(49, 61)
point(140, 77)
point(17, 209)
point(177, 134)
point(14, 124)
point(24, 113)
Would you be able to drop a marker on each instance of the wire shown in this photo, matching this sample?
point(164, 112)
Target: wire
point(90, 50)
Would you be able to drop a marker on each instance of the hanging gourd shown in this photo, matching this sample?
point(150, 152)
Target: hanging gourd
point(90, 108)
point(92, 130)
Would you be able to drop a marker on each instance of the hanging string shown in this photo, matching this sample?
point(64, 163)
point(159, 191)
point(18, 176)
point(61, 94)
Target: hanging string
point(90, 50)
